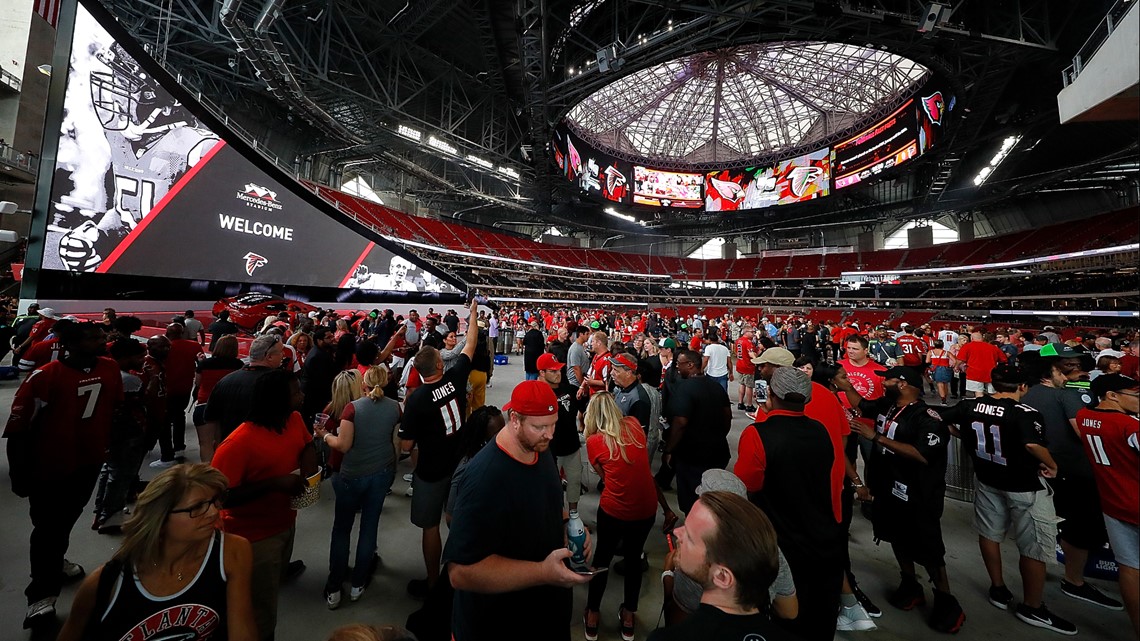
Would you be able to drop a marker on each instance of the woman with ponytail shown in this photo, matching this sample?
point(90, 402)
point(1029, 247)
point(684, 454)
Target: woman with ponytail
point(365, 438)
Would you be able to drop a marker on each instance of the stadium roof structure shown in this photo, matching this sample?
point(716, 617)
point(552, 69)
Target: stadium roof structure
point(730, 106)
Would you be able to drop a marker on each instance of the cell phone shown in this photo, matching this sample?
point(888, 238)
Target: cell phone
point(589, 571)
point(670, 541)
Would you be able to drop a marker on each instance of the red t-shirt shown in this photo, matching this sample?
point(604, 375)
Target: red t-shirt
point(1130, 365)
point(41, 354)
point(695, 343)
point(253, 453)
point(599, 369)
point(1112, 443)
point(866, 382)
point(180, 365)
point(743, 360)
point(629, 493)
point(40, 330)
point(69, 410)
point(912, 349)
point(980, 358)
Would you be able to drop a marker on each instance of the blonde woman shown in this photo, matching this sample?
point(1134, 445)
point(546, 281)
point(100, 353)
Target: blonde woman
point(615, 447)
point(365, 438)
point(174, 560)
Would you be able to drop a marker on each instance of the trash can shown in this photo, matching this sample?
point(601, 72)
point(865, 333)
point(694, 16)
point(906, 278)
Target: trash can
point(960, 484)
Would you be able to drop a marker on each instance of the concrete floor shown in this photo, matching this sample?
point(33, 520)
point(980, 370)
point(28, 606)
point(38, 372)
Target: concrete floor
point(304, 617)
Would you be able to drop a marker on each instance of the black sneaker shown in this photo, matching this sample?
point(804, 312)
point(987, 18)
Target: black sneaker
point(873, 610)
point(294, 570)
point(1042, 618)
point(947, 615)
point(1000, 597)
point(418, 589)
point(1087, 592)
point(908, 595)
point(740, 406)
point(751, 409)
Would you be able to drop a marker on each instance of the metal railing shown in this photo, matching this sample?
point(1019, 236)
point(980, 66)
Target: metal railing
point(10, 80)
point(1096, 40)
point(25, 160)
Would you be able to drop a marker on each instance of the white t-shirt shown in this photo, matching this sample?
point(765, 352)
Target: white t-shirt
point(717, 354)
point(948, 337)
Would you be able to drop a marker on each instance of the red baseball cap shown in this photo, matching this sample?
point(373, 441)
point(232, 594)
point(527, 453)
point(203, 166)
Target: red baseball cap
point(548, 361)
point(533, 398)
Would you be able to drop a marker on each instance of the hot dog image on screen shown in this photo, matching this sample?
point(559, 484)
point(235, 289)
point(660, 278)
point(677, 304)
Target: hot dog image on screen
point(124, 142)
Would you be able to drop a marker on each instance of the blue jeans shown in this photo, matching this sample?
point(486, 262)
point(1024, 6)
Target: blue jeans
point(364, 493)
point(723, 380)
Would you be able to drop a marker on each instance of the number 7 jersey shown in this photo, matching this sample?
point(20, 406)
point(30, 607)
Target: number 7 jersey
point(68, 411)
point(995, 432)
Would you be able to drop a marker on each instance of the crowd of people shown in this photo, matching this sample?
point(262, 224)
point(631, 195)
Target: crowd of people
point(644, 402)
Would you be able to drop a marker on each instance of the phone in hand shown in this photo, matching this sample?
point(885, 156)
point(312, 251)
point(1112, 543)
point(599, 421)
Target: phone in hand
point(582, 569)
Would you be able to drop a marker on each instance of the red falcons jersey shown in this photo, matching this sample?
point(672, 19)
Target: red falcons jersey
point(743, 358)
point(69, 410)
point(912, 349)
point(1113, 445)
point(41, 354)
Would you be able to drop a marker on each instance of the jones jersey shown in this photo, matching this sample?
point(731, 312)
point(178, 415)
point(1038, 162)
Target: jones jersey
point(1112, 442)
point(995, 432)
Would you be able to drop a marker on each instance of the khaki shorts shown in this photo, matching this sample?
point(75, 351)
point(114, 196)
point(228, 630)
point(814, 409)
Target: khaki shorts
point(747, 381)
point(1027, 517)
point(979, 387)
point(571, 465)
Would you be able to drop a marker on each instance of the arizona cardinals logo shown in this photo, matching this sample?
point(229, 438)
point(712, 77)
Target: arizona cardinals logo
point(729, 190)
point(801, 178)
point(574, 160)
point(934, 107)
point(253, 261)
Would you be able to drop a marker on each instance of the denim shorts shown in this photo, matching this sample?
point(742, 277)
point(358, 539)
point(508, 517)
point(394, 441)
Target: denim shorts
point(1125, 541)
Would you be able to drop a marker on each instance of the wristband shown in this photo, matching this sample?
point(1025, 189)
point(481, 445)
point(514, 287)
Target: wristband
point(666, 573)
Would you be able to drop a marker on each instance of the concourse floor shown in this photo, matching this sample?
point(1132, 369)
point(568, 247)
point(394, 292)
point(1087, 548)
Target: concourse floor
point(304, 617)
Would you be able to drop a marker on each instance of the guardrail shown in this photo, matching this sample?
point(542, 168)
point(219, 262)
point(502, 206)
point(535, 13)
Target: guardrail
point(10, 79)
point(24, 160)
point(1097, 39)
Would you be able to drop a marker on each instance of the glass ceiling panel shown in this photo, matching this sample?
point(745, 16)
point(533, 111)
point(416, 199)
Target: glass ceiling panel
point(745, 101)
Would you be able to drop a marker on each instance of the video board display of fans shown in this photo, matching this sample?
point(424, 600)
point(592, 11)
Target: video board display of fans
point(789, 181)
point(143, 187)
point(889, 143)
point(661, 188)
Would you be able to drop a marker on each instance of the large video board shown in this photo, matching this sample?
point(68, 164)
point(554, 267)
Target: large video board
point(789, 181)
point(889, 143)
point(666, 188)
point(142, 186)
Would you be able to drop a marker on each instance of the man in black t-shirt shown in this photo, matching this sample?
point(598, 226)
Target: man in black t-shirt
point(433, 417)
point(223, 326)
point(506, 550)
point(1006, 439)
point(906, 475)
point(701, 419)
point(534, 343)
point(565, 445)
point(317, 376)
point(729, 547)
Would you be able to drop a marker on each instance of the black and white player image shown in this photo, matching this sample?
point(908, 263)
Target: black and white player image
point(1006, 440)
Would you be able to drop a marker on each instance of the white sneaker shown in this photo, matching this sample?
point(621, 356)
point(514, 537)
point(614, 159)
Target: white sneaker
point(162, 465)
point(854, 619)
point(40, 611)
point(355, 593)
point(333, 599)
point(408, 492)
point(179, 453)
point(408, 477)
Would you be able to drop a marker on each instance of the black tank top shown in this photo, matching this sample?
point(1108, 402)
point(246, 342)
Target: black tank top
point(195, 613)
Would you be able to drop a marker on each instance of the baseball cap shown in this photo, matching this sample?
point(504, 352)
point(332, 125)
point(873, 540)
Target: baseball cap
point(668, 343)
point(718, 480)
point(787, 381)
point(48, 312)
point(907, 374)
point(623, 360)
point(595, 325)
point(1106, 383)
point(548, 361)
point(1064, 352)
point(533, 398)
point(776, 356)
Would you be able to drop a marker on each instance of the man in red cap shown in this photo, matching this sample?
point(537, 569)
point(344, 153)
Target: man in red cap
point(506, 550)
point(565, 445)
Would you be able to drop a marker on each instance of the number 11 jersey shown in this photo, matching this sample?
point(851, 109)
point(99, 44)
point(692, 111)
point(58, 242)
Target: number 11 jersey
point(433, 415)
point(995, 432)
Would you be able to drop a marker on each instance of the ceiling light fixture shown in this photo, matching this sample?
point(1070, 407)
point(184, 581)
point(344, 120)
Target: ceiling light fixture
point(409, 133)
point(1007, 146)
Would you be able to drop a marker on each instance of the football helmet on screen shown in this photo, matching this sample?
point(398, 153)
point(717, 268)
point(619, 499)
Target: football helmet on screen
point(117, 91)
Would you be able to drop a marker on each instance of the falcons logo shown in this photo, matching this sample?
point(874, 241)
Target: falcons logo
point(934, 107)
point(253, 261)
point(801, 177)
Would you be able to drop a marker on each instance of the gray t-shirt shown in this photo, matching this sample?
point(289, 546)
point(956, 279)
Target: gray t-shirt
point(576, 356)
point(1057, 406)
point(374, 423)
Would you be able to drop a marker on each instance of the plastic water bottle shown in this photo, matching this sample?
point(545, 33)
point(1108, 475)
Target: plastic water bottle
point(576, 535)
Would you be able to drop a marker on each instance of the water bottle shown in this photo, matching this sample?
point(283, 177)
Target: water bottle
point(576, 535)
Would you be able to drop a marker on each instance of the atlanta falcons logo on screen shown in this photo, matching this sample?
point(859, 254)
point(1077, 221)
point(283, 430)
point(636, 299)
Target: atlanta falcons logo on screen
point(934, 106)
point(253, 261)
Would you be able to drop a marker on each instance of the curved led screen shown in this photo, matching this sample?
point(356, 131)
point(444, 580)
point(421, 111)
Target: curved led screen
point(142, 186)
point(797, 180)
